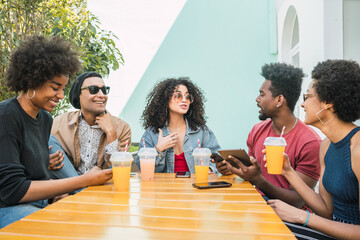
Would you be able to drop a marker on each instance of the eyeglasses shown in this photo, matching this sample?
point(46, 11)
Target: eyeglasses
point(307, 95)
point(178, 97)
point(93, 89)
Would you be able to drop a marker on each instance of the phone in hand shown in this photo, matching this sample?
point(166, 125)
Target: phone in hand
point(205, 185)
point(237, 153)
point(183, 174)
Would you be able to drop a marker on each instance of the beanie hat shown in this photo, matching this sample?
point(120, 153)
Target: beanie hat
point(74, 95)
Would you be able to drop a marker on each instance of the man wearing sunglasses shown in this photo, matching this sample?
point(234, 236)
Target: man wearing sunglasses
point(88, 136)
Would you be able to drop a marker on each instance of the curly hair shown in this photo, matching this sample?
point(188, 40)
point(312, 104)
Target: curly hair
point(40, 59)
point(285, 80)
point(156, 112)
point(338, 82)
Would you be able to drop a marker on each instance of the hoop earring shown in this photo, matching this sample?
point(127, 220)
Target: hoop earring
point(317, 115)
point(27, 94)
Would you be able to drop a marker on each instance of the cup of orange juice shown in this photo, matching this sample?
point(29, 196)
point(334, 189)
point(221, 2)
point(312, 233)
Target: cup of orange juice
point(201, 160)
point(275, 147)
point(121, 166)
point(147, 163)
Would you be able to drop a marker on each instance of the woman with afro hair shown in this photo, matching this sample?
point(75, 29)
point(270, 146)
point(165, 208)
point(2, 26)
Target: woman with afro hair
point(174, 121)
point(331, 104)
point(39, 71)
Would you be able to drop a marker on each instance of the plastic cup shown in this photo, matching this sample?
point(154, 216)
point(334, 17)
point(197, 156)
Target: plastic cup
point(201, 160)
point(147, 163)
point(275, 147)
point(121, 166)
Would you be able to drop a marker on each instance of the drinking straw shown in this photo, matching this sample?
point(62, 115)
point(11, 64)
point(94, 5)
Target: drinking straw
point(282, 131)
point(126, 145)
point(144, 142)
point(199, 143)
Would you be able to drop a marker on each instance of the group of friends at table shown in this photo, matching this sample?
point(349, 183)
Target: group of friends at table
point(43, 160)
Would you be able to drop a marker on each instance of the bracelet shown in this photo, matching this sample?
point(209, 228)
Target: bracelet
point(307, 219)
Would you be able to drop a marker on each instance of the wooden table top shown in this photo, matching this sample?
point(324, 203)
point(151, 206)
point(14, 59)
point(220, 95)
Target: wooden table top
point(166, 208)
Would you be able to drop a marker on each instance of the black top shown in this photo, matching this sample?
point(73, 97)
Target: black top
point(24, 152)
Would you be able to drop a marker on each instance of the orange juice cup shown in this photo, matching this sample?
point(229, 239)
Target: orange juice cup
point(275, 147)
point(201, 160)
point(121, 166)
point(147, 163)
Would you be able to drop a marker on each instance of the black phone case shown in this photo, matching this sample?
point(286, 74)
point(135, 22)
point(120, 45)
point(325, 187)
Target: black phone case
point(226, 184)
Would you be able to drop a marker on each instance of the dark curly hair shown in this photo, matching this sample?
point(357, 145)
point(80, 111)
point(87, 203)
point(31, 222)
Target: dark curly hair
point(285, 80)
point(338, 82)
point(40, 59)
point(156, 112)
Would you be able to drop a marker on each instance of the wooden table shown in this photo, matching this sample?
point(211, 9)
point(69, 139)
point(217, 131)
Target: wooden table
point(166, 208)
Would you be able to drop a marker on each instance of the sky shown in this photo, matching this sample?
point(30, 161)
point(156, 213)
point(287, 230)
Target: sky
point(141, 26)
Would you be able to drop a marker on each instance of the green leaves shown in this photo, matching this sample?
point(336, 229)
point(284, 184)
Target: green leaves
point(69, 19)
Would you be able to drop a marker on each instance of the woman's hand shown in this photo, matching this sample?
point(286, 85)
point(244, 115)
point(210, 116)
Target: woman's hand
point(55, 162)
point(286, 163)
point(166, 142)
point(96, 176)
point(287, 212)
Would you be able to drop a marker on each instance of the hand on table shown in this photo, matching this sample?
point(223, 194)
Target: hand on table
point(56, 158)
point(166, 142)
point(287, 212)
point(96, 176)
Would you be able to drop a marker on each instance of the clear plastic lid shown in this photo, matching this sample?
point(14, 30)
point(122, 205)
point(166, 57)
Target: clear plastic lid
point(201, 152)
point(275, 141)
point(121, 157)
point(147, 153)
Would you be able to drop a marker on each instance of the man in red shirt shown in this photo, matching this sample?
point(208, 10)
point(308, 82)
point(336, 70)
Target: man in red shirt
point(277, 98)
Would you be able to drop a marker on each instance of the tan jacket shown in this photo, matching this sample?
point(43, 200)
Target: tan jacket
point(65, 129)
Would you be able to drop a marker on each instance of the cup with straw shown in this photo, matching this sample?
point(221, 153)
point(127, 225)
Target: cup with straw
point(275, 147)
point(201, 160)
point(121, 166)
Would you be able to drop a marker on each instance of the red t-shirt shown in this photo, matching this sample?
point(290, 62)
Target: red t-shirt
point(180, 163)
point(303, 145)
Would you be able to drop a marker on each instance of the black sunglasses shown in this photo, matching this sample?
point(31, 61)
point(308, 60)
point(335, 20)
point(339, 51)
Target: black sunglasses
point(93, 89)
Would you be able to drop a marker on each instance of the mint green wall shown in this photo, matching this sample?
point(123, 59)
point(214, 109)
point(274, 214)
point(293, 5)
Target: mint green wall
point(221, 45)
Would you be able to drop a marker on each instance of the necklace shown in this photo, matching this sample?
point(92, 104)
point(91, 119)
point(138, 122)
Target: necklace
point(292, 126)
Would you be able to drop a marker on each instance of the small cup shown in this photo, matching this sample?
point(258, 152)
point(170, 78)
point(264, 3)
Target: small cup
point(121, 166)
point(147, 163)
point(201, 160)
point(275, 147)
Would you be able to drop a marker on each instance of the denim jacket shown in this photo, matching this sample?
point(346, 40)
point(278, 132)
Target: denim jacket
point(165, 161)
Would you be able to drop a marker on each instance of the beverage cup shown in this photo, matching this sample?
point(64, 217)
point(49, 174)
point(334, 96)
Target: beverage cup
point(275, 147)
point(147, 163)
point(201, 160)
point(121, 166)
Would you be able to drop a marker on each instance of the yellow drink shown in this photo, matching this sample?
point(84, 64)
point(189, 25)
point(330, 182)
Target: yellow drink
point(121, 177)
point(201, 173)
point(274, 159)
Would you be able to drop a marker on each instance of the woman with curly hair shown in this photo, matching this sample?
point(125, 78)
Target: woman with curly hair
point(174, 121)
point(39, 70)
point(332, 104)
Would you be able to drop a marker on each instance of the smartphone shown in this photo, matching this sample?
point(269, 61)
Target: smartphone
point(205, 185)
point(183, 174)
point(237, 153)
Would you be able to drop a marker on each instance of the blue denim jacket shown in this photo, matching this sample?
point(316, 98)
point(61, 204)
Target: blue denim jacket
point(165, 161)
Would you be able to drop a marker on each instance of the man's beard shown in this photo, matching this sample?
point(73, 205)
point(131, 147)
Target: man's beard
point(263, 116)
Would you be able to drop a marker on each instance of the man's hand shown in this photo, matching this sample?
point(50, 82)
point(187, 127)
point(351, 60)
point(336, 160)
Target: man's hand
point(222, 167)
point(105, 123)
point(251, 173)
point(166, 142)
point(55, 162)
